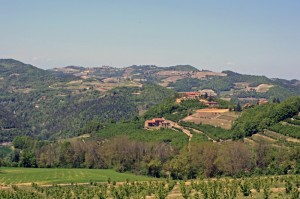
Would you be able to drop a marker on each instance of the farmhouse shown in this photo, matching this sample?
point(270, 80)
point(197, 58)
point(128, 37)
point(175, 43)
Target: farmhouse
point(157, 123)
point(192, 95)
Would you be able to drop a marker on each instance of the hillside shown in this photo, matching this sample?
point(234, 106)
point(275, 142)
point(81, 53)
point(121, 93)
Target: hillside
point(40, 102)
point(87, 119)
point(182, 78)
point(52, 105)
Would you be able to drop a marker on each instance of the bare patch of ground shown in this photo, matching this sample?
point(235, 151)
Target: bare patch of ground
point(215, 117)
point(262, 88)
point(263, 137)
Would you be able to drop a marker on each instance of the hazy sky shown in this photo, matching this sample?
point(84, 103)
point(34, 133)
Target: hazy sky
point(254, 36)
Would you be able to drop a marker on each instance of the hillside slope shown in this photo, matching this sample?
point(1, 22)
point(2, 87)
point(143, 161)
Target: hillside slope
point(54, 105)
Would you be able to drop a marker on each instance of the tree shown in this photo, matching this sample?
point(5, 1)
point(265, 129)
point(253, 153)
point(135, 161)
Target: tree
point(154, 168)
point(238, 107)
point(233, 158)
point(27, 159)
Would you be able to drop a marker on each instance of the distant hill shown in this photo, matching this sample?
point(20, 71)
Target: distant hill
point(183, 68)
point(183, 78)
point(57, 103)
point(14, 73)
point(53, 104)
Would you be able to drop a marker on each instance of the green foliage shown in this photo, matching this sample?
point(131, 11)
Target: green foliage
point(4, 151)
point(55, 110)
point(161, 192)
point(135, 131)
point(285, 129)
point(293, 121)
point(288, 187)
point(261, 117)
point(217, 188)
point(257, 184)
point(166, 107)
point(186, 84)
point(173, 111)
point(199, 137)
point(185, 190)
point(23, 142)
point(216, 133)
point(61, 175)
point(245, 188)
point(182, 68)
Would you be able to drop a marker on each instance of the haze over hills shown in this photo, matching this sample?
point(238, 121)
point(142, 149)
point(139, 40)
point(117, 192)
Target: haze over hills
point(41, 102)
point(206, 102)
point(226, 84)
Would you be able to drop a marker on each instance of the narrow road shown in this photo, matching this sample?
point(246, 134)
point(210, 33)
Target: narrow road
point(188, 130)
point(197, 131)
point(184, 130)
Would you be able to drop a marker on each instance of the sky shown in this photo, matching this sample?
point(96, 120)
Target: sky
point(260, 37)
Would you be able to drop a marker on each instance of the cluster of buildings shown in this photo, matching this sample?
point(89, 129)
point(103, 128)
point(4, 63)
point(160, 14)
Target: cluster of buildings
point(201, 95)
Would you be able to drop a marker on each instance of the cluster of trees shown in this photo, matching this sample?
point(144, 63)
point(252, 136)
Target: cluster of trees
point(257, 119)
point(205, 159)
point(215, 133)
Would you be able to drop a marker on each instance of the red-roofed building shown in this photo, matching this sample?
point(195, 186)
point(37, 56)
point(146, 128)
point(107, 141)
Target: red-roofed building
point(192, 95)
point(157, 123)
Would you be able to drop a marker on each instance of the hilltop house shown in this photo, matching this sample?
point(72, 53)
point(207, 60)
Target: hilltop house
point(192, 95)
point(157, 123)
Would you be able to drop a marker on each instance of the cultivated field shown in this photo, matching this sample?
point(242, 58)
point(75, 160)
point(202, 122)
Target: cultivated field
point(93, 84)
point(55, 176)
point(256, 187)
point(216, 117)
point(274, 139)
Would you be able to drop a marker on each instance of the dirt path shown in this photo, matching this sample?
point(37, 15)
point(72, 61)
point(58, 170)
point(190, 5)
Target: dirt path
point(197, 131)
point(184, 130)
point(187, 131)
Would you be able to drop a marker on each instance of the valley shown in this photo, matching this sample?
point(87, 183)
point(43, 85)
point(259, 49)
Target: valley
point(145, 123)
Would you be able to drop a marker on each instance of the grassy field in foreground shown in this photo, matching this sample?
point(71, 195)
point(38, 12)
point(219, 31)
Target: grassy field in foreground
point(58, 175)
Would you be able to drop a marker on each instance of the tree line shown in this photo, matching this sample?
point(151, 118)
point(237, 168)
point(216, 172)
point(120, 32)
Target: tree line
point(157, 159)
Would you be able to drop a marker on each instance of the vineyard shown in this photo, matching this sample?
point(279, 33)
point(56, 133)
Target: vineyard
point(21, 176)
point(257, 187)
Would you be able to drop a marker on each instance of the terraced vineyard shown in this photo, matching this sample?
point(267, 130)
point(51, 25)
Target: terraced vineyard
point(258, 187)
point(274, 139)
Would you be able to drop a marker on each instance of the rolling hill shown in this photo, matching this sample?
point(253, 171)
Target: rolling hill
point(58, 103)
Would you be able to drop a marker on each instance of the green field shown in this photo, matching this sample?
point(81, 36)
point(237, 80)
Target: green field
point(55, 176)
